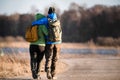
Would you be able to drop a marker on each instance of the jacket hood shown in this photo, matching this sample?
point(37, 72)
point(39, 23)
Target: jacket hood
point(38, 16)
point(52, 16)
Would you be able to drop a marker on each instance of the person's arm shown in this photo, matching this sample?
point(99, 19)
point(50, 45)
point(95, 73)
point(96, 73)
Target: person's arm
point(42, 21)
point(45, 30)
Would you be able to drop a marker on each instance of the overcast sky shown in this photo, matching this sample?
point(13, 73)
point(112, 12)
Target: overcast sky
point(24, 6)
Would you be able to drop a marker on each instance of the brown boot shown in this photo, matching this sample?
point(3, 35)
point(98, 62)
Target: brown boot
point(53, 76)
point(49, 75)
point(38, 77)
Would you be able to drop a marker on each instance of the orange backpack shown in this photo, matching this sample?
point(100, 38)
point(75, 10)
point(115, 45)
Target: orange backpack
point(31, 34)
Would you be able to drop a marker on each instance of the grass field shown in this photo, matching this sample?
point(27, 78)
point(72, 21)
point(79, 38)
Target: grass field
point(12, 65)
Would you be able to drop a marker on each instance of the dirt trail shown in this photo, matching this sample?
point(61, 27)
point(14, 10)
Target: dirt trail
point(86, 69)
point(92, 69)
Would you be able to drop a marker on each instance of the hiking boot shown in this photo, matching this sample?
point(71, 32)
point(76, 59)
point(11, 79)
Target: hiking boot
point(38, 77)
point(34, 75)
point(49, 75)
point(54, 77)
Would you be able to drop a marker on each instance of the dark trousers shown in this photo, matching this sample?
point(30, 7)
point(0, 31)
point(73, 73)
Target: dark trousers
point(36, 56)
point(52, 52)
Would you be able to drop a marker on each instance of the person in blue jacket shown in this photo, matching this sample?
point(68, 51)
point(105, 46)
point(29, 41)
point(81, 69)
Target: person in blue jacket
point(52, 49)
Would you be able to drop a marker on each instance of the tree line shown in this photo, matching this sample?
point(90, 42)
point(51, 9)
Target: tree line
point(79, 24)
point(14, 25)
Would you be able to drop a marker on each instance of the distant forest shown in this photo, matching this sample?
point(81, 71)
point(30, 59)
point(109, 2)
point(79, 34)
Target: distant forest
point(79, 24)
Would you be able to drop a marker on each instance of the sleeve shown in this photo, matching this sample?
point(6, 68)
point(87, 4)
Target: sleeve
point(42, 21)
point(45, 31)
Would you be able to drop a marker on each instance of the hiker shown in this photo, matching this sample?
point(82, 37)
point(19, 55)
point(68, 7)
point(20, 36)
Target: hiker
point(37, 49)
point(52, 49)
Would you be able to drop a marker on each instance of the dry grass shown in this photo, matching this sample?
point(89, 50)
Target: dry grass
point(14, 65)
point(108, 41)
point(15, 44)
point(11, 39)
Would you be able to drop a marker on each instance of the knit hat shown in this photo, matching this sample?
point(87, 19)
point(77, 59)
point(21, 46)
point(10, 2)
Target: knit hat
point(51, 10)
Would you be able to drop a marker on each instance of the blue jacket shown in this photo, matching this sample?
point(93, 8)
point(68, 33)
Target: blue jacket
point(45, 22)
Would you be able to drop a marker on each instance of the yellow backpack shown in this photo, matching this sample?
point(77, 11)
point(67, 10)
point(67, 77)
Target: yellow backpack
point(31, 34)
